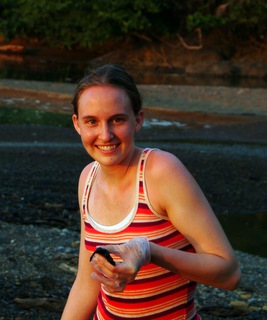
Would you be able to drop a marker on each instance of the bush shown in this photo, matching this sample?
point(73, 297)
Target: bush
point(87, 22)
point(241, 17)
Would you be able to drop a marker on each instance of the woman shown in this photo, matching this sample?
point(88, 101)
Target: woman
point(145, 208)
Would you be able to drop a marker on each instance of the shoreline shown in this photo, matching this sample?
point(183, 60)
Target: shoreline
point(219, 100)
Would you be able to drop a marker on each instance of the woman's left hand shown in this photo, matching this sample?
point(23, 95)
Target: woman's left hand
point(134, 254)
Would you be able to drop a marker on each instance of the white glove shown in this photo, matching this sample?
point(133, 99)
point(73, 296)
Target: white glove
point(134, 253)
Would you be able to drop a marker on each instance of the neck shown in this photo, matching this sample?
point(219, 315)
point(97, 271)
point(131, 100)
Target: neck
point(116, 175)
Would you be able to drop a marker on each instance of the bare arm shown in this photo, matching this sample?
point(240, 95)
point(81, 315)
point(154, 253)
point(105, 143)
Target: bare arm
point(83, 296)
point(175, 194)
point(179, 196)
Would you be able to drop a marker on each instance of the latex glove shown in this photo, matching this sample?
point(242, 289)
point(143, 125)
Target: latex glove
point(134, 254)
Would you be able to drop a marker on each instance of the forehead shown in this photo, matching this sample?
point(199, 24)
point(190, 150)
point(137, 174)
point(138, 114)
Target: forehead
point(103, 93)
point(104, 99)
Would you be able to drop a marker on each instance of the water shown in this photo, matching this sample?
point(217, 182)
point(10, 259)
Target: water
point(69, 70)
point(247, 232)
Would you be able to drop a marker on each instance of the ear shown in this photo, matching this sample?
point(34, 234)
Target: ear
point(139, 120)
point(76, 123)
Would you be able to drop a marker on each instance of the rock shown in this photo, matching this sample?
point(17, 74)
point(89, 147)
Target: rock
point(51, 304)
point(242, 305)
point(68, 268)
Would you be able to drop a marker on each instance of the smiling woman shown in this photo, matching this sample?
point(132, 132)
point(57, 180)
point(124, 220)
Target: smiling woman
point(145, 208)
point(106, 123)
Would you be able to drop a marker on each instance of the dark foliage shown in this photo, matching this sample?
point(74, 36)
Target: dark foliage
point(87, 23)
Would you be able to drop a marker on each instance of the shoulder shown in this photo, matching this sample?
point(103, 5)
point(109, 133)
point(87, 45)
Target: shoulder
point(160, 163)
point(86, 170)
point(167, 179)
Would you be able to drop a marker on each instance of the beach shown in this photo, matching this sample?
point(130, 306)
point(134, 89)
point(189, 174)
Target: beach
point(218, 132)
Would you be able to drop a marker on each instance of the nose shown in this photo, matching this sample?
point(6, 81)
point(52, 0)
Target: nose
point(105, 133)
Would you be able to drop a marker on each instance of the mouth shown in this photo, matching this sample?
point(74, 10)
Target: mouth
point(108, 148)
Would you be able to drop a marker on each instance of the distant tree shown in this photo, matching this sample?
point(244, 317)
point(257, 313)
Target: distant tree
point(243, 17)
point(87, 23)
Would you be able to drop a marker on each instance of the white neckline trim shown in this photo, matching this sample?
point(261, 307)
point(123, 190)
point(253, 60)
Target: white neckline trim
point(128, 219)
point(119, 226)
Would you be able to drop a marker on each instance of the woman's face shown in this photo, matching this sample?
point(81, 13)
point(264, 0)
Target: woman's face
point(106, 124)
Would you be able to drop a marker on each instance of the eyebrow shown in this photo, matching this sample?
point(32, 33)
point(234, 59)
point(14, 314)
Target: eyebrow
point(113, 116)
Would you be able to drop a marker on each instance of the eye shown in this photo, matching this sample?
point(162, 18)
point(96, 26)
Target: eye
point(91, 121)
point(118, 120)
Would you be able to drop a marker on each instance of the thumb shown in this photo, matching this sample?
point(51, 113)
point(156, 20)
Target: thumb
point(114, 249)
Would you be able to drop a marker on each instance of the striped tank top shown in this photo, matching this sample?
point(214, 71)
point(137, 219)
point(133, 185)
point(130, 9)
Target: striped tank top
point(156, 293)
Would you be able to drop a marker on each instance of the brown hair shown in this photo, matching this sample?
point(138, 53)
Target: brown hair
point(113, 75)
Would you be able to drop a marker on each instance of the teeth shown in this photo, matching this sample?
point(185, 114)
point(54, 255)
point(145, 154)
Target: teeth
point(107, 148)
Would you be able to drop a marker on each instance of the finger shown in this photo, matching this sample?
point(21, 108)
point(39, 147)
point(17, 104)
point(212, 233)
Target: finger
point(110, 285)
point(101, 265)
point(117, 287)
point(105, 253)
point(101, 278)
point(124, 272)
point(101, 261)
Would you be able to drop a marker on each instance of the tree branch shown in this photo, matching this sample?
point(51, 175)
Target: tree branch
point(189, 47)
